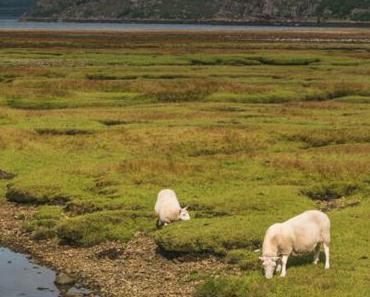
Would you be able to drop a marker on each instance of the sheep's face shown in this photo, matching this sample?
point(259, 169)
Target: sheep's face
point(269, 265)
point(184, 214)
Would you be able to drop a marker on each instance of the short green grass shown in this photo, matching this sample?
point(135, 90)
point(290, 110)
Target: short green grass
point(247, 133)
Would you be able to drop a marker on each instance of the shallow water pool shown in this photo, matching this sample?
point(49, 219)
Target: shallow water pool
point(21, 277)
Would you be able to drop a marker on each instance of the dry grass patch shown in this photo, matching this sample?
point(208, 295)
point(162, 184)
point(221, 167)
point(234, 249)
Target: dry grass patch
point(329, 168)
point(19, 139)
point(178, 91)
point(156, 167)
point(220, 140)
point(323, 137)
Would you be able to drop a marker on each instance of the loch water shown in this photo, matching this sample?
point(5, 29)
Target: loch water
point(7, 23)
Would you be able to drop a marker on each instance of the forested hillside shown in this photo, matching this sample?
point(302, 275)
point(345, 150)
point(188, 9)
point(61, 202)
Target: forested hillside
point(203, 10)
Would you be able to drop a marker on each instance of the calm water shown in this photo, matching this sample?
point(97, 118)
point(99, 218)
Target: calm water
point(13, 24)
point(21, 277)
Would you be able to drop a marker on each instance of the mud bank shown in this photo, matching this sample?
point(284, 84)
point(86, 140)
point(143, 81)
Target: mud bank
point(112, 269)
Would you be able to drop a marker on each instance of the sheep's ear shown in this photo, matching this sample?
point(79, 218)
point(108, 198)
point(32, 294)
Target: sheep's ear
point(262, 258)
point(186, 207)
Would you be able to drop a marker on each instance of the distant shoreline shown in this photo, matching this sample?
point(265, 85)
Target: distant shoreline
point(277, 23)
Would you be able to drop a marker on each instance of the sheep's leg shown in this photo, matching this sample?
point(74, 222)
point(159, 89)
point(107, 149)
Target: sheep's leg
point(326, 250)
point(284, 260)
point(278, 267)
point(316, 256)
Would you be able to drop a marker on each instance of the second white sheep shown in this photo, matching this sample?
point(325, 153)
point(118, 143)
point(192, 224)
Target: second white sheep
point(168, 208)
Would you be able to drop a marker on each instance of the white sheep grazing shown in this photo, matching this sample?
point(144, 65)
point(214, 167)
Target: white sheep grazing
point(301, 234)
point(168, 208)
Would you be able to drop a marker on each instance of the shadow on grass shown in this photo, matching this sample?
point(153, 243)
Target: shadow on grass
point(303, 260)
point(185, 256)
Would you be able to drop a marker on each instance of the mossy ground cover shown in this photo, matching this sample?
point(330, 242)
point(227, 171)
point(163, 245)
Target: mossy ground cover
point(247, 131)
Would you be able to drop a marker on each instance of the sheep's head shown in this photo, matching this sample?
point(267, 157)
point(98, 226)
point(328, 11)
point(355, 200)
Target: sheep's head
point(184, 214)
point(269, 265)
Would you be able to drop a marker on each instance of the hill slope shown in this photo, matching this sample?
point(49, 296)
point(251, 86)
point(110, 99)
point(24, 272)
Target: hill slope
point(14, 8)
point(202, 10)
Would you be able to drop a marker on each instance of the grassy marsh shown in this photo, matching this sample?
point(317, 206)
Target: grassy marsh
point(247, 130)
